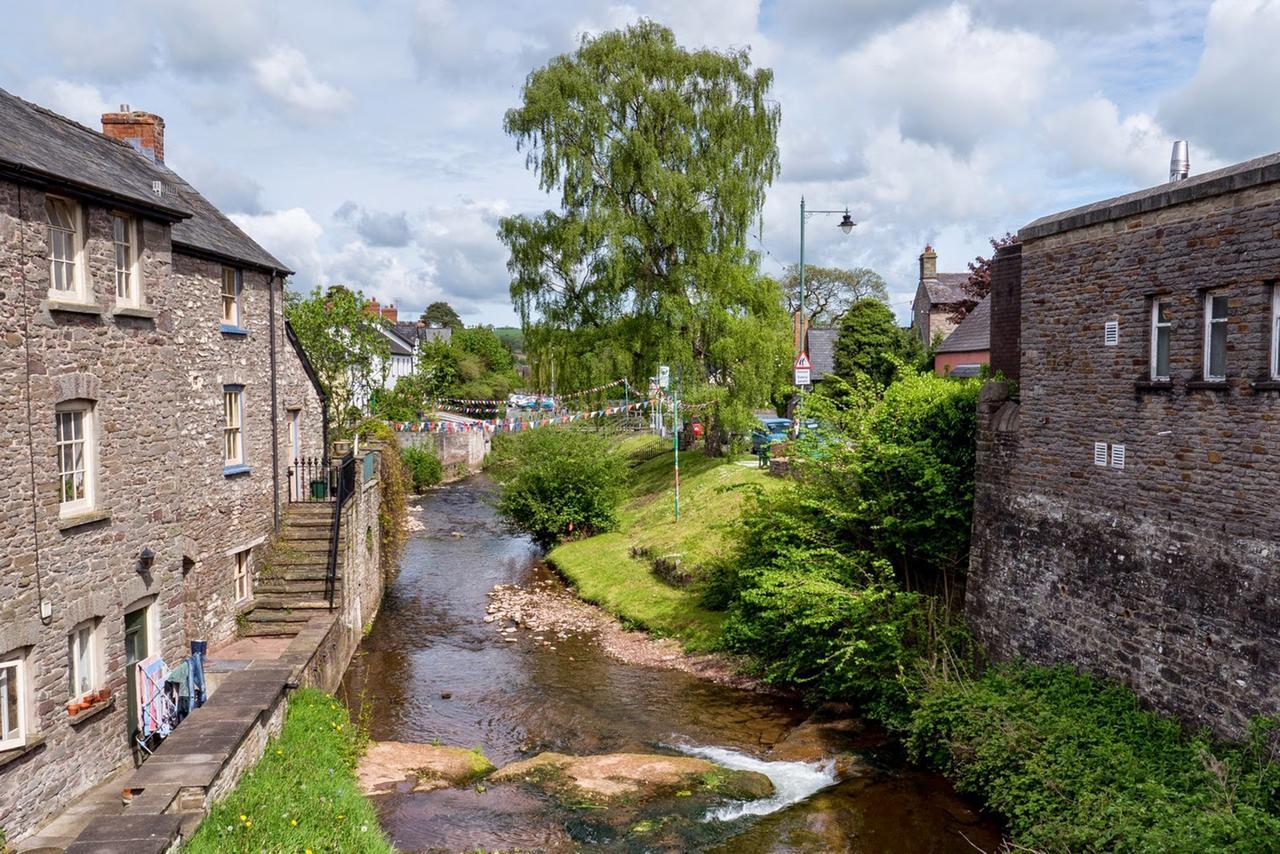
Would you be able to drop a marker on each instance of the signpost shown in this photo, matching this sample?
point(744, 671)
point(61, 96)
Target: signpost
point(664, 377)
point(803, 370)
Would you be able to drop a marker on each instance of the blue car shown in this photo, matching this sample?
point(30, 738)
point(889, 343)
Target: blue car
point(770, 430)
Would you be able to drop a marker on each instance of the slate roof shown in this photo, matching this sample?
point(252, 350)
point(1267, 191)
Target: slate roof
point(822, 352)
point(974, 332)
point(946, 289)
point(210, 231)
point(46, 146)
point(400, 346)
point(411, 331)
point(1250, 173)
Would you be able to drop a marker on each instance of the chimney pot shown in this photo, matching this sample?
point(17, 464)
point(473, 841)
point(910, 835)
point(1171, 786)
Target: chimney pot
point(145, 131)
point(928, 263)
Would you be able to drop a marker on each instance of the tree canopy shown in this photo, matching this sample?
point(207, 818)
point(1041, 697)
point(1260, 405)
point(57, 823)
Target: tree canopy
point(345, 345)
point(660, 158)
point(829, 291)
point(441, 314)
point(870, 341)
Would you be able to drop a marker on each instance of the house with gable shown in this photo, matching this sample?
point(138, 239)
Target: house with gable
point(938, 295)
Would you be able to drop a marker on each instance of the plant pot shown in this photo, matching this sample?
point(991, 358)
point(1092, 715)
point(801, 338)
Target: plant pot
point(73, 709)
point(104, 695)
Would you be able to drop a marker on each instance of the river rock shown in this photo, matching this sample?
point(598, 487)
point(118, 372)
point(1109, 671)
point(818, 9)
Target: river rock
point(831, 734)
point(389, 766)
point(615, 777)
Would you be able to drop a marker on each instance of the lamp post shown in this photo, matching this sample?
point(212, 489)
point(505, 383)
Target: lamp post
point(846, 225)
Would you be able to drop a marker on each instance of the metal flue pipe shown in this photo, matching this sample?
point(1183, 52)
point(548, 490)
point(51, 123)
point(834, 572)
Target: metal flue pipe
point(1179, 162)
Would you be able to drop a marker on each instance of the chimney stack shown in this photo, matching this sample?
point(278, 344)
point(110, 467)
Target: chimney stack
point(372, 308)
point(144, 131)
point(1179, 162)
point(928, 263)
point(389, 313)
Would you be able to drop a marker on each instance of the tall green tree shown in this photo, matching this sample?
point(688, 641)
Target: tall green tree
point(870, 341)
point(343, 340)
point(829, 291)
point(660, 157)
point(441, 314)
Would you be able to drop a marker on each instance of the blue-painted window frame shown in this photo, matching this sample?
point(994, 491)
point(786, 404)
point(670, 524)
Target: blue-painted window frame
point(238, 328)
point(241, 467)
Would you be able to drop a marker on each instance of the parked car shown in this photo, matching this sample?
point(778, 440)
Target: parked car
point(770, 430)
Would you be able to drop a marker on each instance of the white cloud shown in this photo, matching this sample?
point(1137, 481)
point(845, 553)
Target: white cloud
point(1226, 106)
point(1092, 137)
point(291, 235)
point(78, 101)
point(949, 80)
point(203, 37)
point(284, 75)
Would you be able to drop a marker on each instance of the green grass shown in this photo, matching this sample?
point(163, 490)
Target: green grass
point(602, 567)
point(302, 795)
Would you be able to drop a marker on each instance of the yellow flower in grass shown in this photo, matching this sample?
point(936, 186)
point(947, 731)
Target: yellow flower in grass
point(244, 817)
point(248, 825)
point(293, 822)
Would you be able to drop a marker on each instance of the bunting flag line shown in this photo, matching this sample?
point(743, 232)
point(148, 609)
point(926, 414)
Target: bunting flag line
point(511, 425)
point(493, 403)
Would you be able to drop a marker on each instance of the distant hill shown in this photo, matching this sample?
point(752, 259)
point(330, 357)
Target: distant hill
point(512, 336)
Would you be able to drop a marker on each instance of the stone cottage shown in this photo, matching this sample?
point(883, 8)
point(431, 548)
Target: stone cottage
point(154, 400)
point(1126, 518)
point(937, 297)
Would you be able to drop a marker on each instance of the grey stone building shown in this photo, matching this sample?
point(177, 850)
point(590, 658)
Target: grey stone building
point(153, 402)
point(937, 296)
point(1126, 518)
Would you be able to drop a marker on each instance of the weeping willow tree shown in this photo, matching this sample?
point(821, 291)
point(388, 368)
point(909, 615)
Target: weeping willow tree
point(660, 158)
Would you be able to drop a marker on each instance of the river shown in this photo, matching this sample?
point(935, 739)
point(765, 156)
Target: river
point(515, 699)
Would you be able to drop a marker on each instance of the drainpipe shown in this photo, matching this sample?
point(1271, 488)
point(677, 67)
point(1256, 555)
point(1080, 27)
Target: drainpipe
point(275, 409)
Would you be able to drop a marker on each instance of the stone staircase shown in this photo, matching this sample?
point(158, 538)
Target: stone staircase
point(289, 589)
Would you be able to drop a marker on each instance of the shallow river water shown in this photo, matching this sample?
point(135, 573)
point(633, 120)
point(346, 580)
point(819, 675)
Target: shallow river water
point(515, 699)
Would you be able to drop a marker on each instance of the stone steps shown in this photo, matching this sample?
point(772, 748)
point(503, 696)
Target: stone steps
point(294, 588)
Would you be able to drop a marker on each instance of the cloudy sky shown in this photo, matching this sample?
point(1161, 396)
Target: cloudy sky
point(362, 142)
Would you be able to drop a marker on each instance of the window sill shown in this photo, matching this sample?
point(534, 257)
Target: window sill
point(232, 471)
point(34, 742)
point(67, 523)
point(1266, 385)
point(73, 307)
point(135, 311)
point(1208, 385)
point(238, 331)
point(93, 711)
point(1153, 385)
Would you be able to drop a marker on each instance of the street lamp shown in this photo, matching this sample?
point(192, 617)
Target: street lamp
point(846, 225)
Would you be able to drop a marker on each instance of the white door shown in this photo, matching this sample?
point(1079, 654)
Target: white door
point(295, 453)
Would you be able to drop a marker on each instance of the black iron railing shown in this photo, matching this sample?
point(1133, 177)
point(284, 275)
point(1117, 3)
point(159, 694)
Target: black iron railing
point(311, 480)
point(344, 485)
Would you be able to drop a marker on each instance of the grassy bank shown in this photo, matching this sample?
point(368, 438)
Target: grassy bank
point(616, 570)
point(302, 795)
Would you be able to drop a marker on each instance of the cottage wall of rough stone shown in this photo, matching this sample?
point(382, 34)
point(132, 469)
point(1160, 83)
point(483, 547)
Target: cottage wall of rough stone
point(1163, 573)
point(156, 383)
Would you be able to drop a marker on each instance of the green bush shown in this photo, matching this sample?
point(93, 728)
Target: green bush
point(555, 482)
point(424, 467)
point(1075, 765)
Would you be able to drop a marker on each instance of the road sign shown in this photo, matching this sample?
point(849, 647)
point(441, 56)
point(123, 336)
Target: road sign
point(803, 369)
point(664, 376)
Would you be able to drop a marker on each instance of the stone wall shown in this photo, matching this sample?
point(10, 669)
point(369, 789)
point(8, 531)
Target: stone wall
point(1006, 311)
point(1160, 573)
point(155, 379)
point(460, 454)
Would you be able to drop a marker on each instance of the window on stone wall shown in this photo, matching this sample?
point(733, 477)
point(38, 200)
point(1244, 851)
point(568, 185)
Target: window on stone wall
point(232, 426)
point(1215, 336)
point(1161, 332)
point(66, 274)
point(83, 674)
point(124, 234)
point(73, 437)
point(13, 712)
point(1275, 331)
point(232, 287)
point(243, 577)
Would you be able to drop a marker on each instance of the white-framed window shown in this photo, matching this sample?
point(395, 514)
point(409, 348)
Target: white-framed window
point(1161, 335)
point(1215, 336)
point(243, 577)
point(83, 674)
point(124, 234)
point(232, 285)
point(1275, 331)
point(66, 241)
point(233, 425)
point(73, 437)
point(13, 705)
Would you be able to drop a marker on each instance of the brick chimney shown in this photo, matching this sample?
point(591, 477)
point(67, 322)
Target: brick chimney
point(372, 308)
point(928, 263)
point(389, 313)
point(144, 131)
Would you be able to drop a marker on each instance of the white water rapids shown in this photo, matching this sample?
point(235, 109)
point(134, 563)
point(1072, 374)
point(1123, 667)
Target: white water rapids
point(792, 781)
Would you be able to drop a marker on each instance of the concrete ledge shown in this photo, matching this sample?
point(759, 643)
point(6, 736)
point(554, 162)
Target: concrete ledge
point(128, 834)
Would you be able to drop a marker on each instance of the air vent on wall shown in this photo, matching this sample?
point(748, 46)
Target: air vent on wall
point(1099, 453)
point(1111, 333)
point(157, 188)
point(1117, 456)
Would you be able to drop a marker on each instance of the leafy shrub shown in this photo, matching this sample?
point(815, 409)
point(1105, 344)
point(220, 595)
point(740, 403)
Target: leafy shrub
point(1076, 765)
point(394, 481)
point(425, 470)
point(557, 482)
